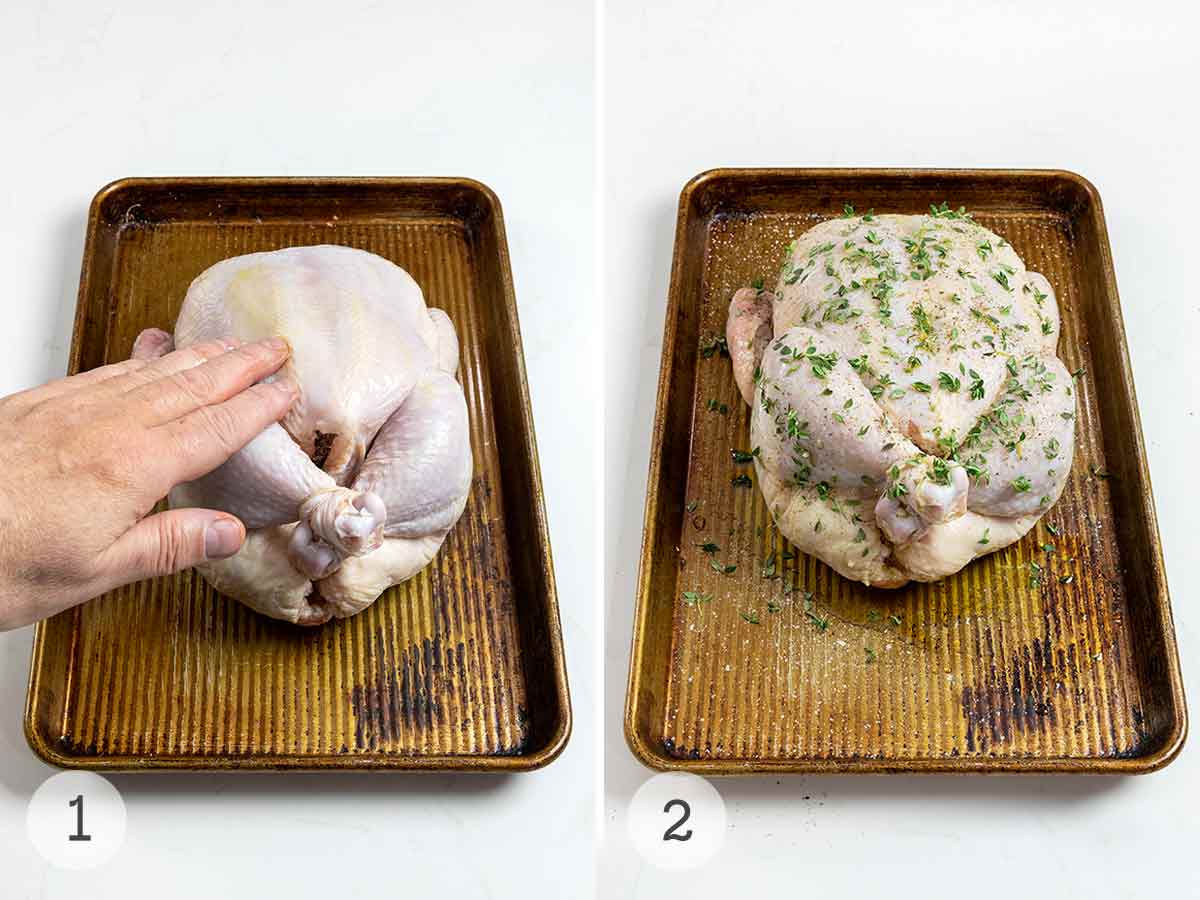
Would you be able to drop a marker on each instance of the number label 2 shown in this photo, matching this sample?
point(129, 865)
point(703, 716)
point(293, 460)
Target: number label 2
point(78, 835)
point(671, 834)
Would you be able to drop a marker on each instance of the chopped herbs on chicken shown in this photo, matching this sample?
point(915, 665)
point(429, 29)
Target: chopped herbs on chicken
point(950, 365)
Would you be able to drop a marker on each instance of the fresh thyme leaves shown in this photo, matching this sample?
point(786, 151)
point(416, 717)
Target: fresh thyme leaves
point(1054, 532)
point(939, 471)
point(820, 621)
point(695, 598)
point(713, 346)
point(920, 262)
point(870, 655)
point(1098, 473)
point(722, 569)
point(710, 547)
point(1079, 373)
point(1035, 575)
point(894, 619)
point(795, 428)
point(714, 406)
point(921, 387)
point(757, 284)
point(822, 363)
point(744, 456)
point(751, 617)
point(976, 384)
point(943, 211)
point(741, 481)
point(773, 606)
point(1065, 579)
point(768, 569)
point(1021, 484)
point(986, 539)
point(948, 382)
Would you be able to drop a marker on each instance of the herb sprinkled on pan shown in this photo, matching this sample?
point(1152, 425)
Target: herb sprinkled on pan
point(713, 346)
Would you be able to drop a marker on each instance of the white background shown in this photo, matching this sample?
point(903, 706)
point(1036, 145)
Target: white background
point(502, 92)
point(1105, 89)
point(90, 92)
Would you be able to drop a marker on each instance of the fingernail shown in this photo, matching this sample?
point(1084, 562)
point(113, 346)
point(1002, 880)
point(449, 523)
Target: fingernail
point(278, 344)
point(285, 385)
point(222, 538)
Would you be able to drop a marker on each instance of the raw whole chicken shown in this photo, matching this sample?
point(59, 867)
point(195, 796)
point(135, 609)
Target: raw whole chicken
point(909, 413)
point(357, 487)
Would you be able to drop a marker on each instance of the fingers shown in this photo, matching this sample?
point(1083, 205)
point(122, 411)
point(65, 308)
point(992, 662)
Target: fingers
point(213, 381)
point(170, 542)
point(152, 370)
point(183, 449)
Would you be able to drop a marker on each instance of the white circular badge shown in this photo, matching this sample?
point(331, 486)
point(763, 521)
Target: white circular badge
point(676, 821)
point(76, 820)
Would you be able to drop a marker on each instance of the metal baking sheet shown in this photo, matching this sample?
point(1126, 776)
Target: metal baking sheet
point(994, 669)
point(460, 668)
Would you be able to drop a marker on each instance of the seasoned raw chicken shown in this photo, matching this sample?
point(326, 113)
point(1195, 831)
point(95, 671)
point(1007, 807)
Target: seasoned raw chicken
point(908, 408)
point(357, 487)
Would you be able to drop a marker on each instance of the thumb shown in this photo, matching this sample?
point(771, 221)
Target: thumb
point(171, 541)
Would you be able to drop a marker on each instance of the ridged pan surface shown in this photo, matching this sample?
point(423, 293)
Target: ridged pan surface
point(1056, 653)
point(458, 668)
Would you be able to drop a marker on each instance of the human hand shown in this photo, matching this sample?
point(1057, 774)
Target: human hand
point(87, 457)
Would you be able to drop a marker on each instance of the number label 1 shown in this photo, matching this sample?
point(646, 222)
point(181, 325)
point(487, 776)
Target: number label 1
point(672, 834)
point(78, 835)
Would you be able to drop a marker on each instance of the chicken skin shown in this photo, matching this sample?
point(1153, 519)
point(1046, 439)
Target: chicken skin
point(908, 407)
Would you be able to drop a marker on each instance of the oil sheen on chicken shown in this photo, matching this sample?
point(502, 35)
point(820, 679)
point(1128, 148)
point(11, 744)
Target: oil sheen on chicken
point(357, 487)
point(908, 407)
